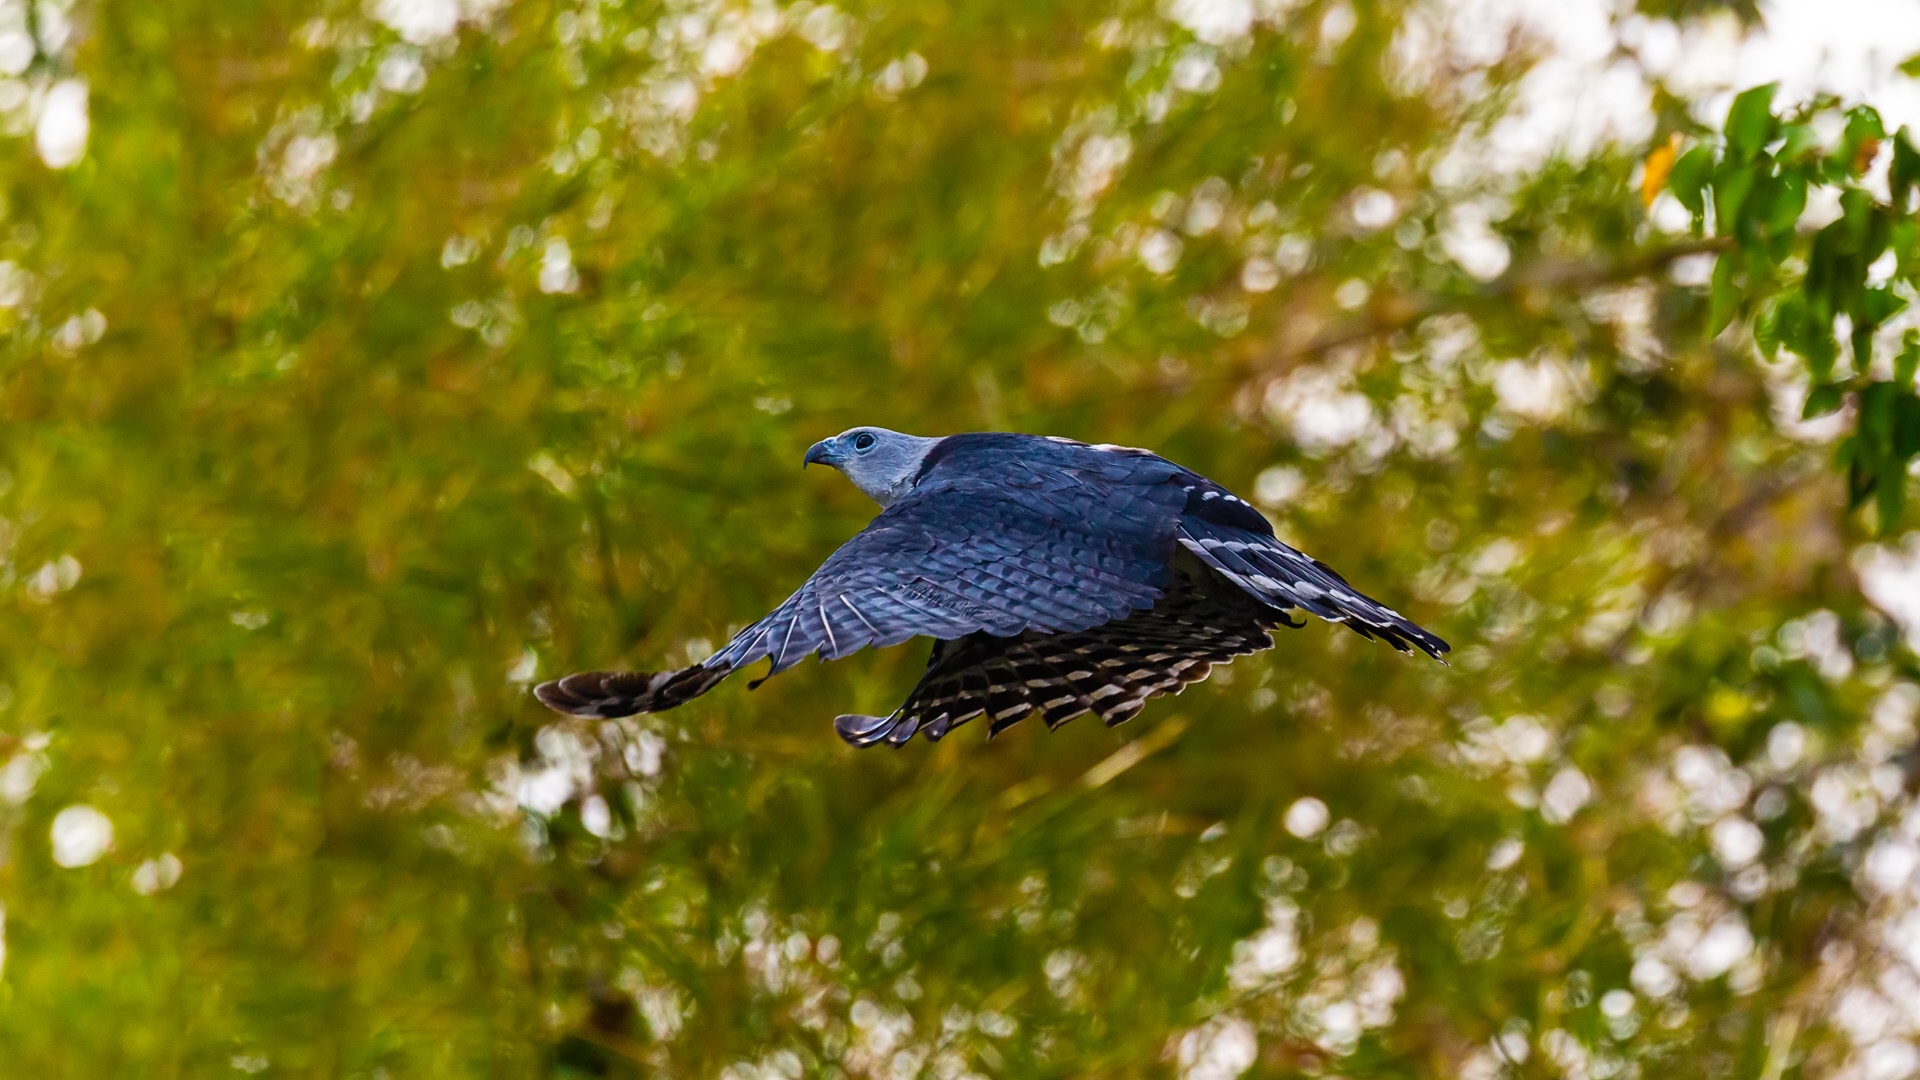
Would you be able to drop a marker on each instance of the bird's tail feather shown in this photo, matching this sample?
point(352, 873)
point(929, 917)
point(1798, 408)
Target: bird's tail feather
point(1110, 670)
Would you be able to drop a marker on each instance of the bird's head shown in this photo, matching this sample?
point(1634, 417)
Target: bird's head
point(880, 463)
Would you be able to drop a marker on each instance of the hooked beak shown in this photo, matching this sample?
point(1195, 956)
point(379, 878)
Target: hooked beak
point(820, 453)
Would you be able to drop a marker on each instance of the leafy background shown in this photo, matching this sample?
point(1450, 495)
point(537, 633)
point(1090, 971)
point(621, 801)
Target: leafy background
point(363, 364)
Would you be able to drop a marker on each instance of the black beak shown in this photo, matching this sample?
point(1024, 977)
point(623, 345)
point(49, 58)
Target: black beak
point(817, 454)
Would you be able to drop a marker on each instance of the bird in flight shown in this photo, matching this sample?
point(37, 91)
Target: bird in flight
point(1054, 577)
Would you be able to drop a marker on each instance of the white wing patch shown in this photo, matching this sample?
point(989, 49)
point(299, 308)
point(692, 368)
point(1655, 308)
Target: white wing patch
point(1105, 447)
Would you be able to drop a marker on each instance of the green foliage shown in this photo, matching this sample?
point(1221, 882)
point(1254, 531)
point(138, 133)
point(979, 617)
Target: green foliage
point(1800, 286)
point(377, 360)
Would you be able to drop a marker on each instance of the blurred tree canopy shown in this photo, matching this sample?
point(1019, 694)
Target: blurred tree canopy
point(365, 362)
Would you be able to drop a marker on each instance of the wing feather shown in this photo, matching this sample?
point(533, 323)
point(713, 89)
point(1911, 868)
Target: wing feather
point(955, 557)
point(1285, 578)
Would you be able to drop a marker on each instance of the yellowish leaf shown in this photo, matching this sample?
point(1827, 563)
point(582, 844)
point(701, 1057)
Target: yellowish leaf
point(1659, 165)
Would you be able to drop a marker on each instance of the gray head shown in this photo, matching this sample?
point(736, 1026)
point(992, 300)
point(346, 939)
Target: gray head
point(880, 463)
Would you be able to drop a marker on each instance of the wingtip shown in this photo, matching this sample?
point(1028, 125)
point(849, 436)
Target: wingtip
point(554, 695)
point(860, 732)
point(582, 694)
point(606, 695)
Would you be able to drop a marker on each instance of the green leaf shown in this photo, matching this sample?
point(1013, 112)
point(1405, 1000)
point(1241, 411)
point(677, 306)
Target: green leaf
point(1860, 477)
point(1906, 423)
point(1892, 497)
point(1838, 258)
point(1862, 340)
point(1860, 142)
point(1856, 209)
point(1887, 437)
point(1878, 305)
point(1824, 268)
point(1908, 361)
point(1863, 123)
point(1910, 67)
point(1875, 424)
point(1903, 236)
point(1724, 297)
point(1732, 184)
point(1750, 122)
point(1903, 173)
point(1801, 139)
point(1822, 400)
point(1688, 180)
point(1766, 331)
point(1781, 201)
point(1811, 338)
point(1873, 308)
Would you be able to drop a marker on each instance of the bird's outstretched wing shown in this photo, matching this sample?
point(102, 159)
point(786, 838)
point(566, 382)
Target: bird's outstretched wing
point(954, 558)
point(1234, 539)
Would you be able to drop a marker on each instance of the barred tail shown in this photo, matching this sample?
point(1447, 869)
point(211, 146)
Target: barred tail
point(1110, 670)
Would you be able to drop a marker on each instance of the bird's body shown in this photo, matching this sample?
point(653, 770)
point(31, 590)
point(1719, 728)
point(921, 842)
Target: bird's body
point(1056, 577)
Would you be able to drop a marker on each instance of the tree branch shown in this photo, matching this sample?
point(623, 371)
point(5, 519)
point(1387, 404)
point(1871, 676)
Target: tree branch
point(1403, 310)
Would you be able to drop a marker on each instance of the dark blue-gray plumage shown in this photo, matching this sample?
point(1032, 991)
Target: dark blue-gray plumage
point(1055, 576)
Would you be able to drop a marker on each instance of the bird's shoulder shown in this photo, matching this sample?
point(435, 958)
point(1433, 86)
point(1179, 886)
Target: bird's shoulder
point(1024, 460)
point(1099, 483)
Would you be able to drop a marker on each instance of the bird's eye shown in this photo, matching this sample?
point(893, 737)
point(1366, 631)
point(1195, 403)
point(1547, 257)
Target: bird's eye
point(864, 441)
